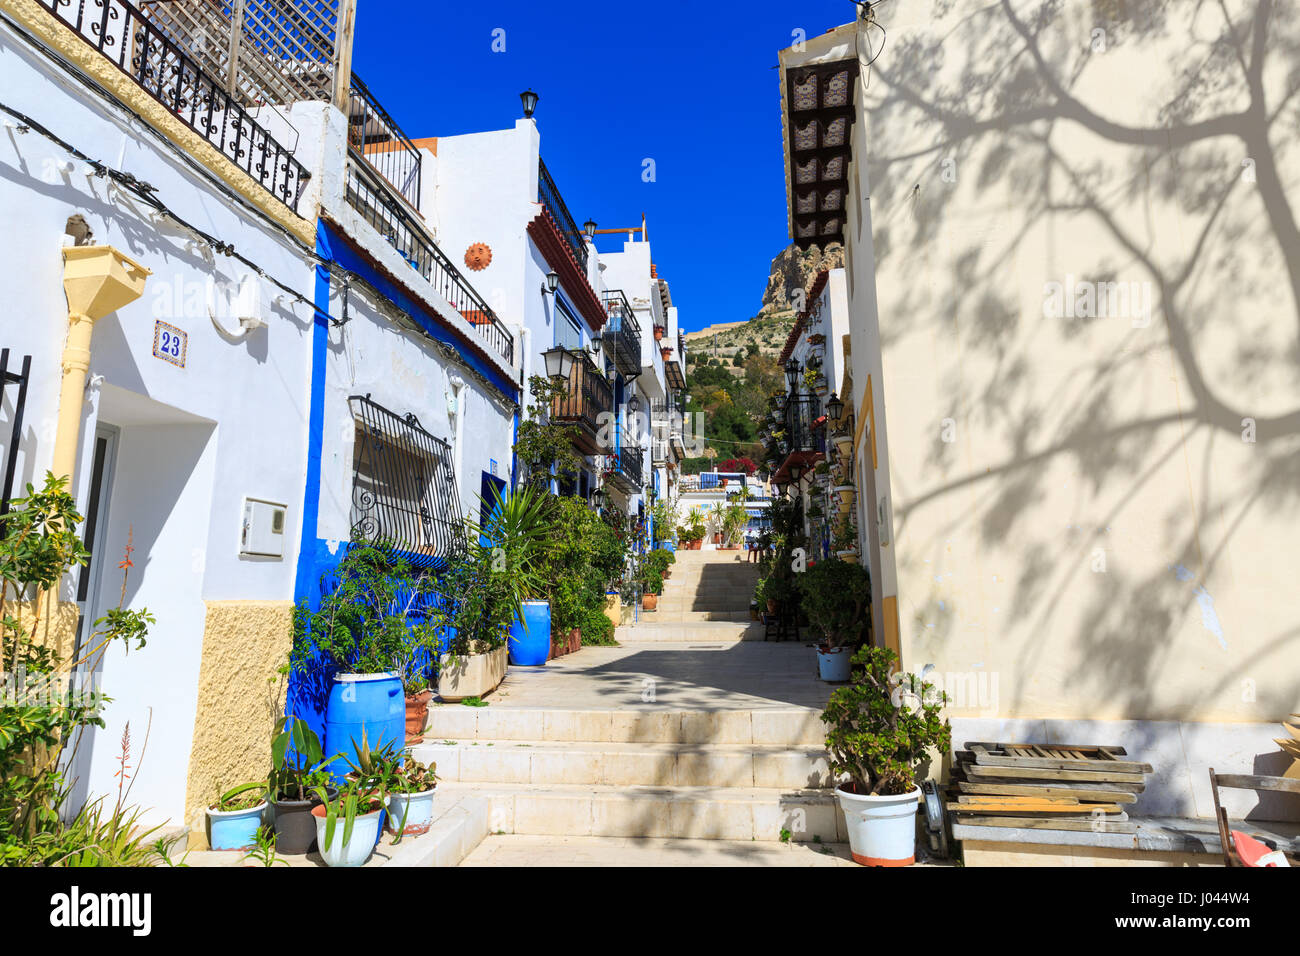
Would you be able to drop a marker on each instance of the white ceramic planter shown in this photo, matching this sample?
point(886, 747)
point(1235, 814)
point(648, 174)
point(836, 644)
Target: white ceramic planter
point(474, 676)
point(362, 842)
point(415, 808)
point(846, 493)
point(882, 830)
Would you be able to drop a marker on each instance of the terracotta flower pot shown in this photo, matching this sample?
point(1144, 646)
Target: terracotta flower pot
point(417, 713)
point(659, 333)
point(697, 544)
point(666, 353)
point(649, 602)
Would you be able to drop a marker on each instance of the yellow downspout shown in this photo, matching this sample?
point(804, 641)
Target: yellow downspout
point(97, 280)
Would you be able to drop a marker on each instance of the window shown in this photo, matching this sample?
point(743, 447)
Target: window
point(404, 491)
point(568, 333)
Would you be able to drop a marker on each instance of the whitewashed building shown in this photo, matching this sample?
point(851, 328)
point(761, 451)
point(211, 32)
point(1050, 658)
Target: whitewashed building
point(268, 352)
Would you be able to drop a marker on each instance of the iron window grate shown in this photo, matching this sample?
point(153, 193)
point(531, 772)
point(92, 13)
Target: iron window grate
point(404, 491)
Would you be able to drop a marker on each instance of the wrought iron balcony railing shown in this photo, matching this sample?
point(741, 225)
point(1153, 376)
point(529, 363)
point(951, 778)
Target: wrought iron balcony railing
point(375, 137)
point(160, 67)
point(801, 413)
point(623, 332)
point(404, 491)
point(370, 195)
point(549, 196)
point(627, 462)
point(585, 400)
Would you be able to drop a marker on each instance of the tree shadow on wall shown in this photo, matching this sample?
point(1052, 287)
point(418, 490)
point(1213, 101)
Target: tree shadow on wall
point(1008, 95)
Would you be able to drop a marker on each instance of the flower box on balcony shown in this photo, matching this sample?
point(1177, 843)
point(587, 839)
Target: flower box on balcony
point(660, 331)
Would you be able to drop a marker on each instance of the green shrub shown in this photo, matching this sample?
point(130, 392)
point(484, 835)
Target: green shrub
point(882, 726)
point(597, 629)
point(836, 600)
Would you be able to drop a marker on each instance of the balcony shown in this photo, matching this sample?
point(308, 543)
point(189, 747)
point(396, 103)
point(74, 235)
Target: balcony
point(622, 332)
point(804, 443)
point(549, 196)
point(376, 139)
point(373, 197)
point(625, 465)
point(587, 402)
point(159, 66)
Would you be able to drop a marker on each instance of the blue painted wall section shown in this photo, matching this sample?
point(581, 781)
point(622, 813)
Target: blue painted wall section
point(307, 696)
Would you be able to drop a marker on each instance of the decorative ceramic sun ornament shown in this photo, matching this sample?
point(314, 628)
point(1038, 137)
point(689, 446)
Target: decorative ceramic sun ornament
point(478, 256)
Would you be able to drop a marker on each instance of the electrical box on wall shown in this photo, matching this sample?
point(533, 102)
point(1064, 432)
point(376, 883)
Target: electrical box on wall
point(262, 533)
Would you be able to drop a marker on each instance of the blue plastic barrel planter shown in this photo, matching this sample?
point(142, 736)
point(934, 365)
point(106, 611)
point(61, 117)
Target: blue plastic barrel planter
point(530, 638)
point(370, 702)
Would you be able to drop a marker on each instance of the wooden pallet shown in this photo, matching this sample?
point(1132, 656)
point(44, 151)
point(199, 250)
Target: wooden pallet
point(1046, 786)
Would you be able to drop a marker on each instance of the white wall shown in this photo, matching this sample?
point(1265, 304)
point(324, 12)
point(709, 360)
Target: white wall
point(180, 478)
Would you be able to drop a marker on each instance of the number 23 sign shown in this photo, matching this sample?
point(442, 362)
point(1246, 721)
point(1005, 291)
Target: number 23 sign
point(169, 343)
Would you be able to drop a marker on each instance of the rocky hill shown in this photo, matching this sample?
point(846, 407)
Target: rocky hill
point(768, 329)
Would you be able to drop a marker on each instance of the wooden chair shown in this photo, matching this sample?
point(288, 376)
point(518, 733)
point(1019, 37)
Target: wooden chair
point(1242, 781)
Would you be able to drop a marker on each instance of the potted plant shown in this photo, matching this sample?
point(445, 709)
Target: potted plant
point(351, 843)
point(666, 353)
point(359, 637)
point(882, 727)
point(660, 332)
point(236, 816)
point(836, 599)
point(651, 580)
point(298, 771)
point(483, 594)
point(410, 801)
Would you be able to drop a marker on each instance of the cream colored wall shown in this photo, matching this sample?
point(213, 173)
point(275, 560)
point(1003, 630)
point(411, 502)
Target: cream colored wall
point(240, 694)
point(1097, 534)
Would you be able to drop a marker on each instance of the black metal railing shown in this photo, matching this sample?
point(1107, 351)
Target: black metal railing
point(369, 195)
point(627, 461)
point(21, 379)
point(801, 413)
point(587, 397)
point(623, 332)
point(549, 195)
point(141, 50)
point(404, 491)
point(375, 136)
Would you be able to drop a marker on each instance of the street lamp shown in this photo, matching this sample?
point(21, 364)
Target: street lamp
point(529, 99)
point(552, 283)
point(634, 404)
point(589, 227)
point(559, 363)
point(792, 373)
point(834, 407)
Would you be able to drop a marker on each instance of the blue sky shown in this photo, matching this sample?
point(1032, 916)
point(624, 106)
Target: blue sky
point(690, 85)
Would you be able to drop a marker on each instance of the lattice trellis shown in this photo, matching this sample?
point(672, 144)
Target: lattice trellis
point(282, 51)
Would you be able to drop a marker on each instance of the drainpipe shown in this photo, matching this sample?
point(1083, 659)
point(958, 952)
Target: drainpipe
point(97, 280)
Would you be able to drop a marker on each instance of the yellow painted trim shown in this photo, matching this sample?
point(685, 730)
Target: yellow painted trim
point(890, 610)
point(38, 21)
point(867, 411)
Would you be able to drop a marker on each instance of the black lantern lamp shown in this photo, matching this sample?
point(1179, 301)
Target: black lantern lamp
point(792, 373)
point(559, 363)
point(529, 99)
point(834, 407)
point(589, 227)
point(552, 283)
point(634, 404)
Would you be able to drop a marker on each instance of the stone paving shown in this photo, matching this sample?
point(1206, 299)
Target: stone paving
point(516, 850)
point(683, 676)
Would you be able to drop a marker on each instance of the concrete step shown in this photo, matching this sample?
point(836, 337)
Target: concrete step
point(701, 632)
point(697, 813)
point(682, 617)
point(516, 850)
point(785, 727)
point(742, 766)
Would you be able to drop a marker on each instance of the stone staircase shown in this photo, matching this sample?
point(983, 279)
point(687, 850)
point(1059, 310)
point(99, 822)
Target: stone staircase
point(724, 754)
point(706, 586)
point(724, 775)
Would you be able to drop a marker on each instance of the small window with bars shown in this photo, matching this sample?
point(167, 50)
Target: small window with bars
point(404, 491)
